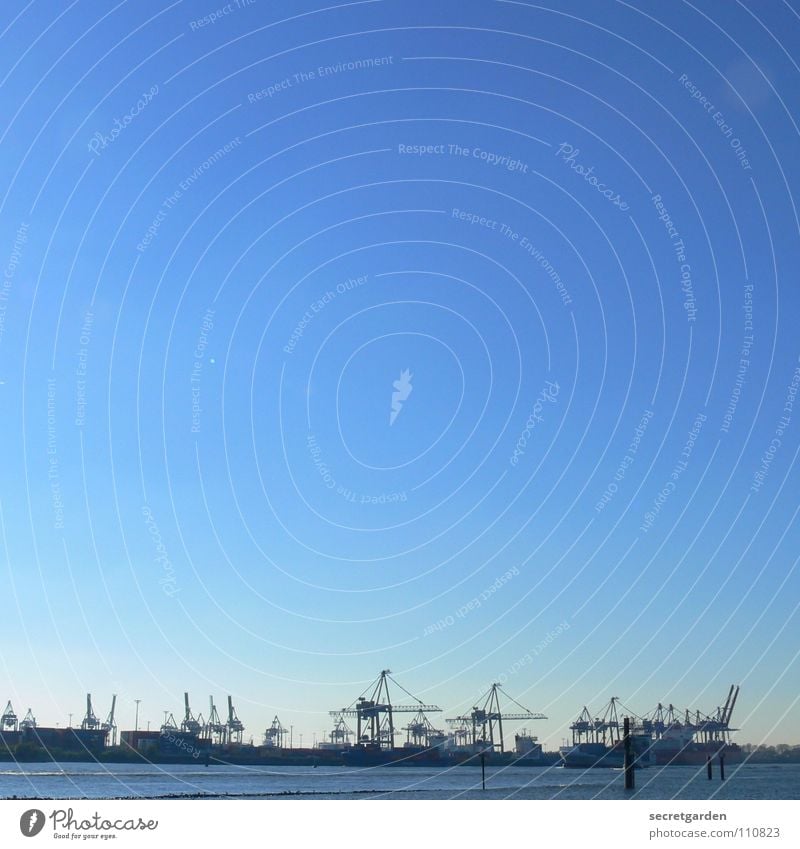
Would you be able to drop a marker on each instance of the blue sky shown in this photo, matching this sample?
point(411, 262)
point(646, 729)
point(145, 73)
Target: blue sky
point(226, 231)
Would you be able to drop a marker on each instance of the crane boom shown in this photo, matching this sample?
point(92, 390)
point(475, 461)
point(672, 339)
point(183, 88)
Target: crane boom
point(524, 716)
point(110, 725)
point(724, 711)
point(727, 718)
point(394, 708)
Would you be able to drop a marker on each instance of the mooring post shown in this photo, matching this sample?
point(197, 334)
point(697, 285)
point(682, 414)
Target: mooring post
point(722, 767)
point(709, 768)
point(483, 770)
point(628, 757)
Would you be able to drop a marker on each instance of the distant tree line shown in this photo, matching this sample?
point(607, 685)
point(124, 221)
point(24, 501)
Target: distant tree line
point(783, 753)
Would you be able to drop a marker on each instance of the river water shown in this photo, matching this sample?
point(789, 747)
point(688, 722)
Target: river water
point(96, 781)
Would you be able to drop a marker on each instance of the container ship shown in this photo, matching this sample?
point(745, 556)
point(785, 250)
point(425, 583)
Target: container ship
point(25, 739)
point(662, 738)
point(597, 742)
point(691, 738)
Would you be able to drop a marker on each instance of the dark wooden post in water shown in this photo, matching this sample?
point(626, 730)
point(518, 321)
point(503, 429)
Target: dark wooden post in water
point(709, 768)
point(722, 767)
point(483, 770)
point(628, 762)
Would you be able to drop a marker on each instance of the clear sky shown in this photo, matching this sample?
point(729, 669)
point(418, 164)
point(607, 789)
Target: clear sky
point(457, 338)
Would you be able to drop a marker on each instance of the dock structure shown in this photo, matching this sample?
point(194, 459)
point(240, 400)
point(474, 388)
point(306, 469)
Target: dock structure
point(662, 737)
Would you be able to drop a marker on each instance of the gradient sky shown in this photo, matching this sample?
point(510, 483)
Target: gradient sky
point(201, 488)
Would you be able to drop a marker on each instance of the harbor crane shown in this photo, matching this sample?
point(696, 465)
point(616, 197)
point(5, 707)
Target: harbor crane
point(28, 721)
point(374, 714)
point(110, 726)
point(716, 728)
point(342, 733)
point(487, 719)
point(661, 720)
point(730, 703)
point(216, 730)
point(603, 729)
point(275, 734)
point(235, 726)
point(8, 721)
point(190, 725)
point(420, 731)
point(169, 723)
point(90, 721)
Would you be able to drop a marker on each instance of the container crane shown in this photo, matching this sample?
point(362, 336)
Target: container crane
point(8, 721)
point(716, 728)
point(603, 729)
point(670, 723)
point(169, 723)
point(235, 726)
point(275, 734)
point(110, 726)
point(342, 733)
point(733, 695)
point(375, 713)
point(90, 721)
point(420, 731)
point(216, 730)
point(28, 721)
point(190, 725)
point(488, 720)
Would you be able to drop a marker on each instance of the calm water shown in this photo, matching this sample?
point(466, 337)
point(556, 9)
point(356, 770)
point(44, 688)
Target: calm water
point(94, 781)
